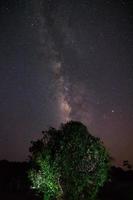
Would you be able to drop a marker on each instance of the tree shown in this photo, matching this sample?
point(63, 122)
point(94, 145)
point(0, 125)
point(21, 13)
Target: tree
point(69, 163)
point(127, 165)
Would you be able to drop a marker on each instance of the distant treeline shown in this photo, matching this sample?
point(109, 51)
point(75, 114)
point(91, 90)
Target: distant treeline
point(13, 176)
point(119, 186)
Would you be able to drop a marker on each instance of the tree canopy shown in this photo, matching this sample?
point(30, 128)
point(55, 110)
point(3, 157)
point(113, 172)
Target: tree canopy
point(68, 163)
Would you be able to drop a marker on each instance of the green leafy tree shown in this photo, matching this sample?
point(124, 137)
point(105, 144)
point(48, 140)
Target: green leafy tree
point(69, 163)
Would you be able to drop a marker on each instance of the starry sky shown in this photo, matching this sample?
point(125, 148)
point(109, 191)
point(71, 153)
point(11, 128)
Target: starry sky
point(66, 60)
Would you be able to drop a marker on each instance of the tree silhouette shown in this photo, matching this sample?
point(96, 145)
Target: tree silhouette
point(127, 164)
point(68, 163)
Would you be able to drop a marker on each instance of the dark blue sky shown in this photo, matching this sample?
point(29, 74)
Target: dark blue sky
point(64, 60)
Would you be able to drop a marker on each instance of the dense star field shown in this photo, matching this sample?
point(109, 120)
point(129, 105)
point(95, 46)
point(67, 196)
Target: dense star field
point(63, 60)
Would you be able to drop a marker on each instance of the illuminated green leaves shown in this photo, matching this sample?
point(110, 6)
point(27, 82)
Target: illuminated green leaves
point(70, 163)
point(46, 178)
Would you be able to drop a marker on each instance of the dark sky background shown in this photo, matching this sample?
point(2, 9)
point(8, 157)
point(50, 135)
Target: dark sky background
point(62, 60)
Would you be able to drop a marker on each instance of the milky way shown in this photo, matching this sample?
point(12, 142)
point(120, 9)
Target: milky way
point(54, 60)
point(72, 98)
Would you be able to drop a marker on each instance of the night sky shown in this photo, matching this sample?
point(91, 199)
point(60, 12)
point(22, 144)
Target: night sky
point(66, 60)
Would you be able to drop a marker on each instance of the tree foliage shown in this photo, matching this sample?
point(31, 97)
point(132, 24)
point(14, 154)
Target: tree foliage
point(45, 179)
point(68, 163)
